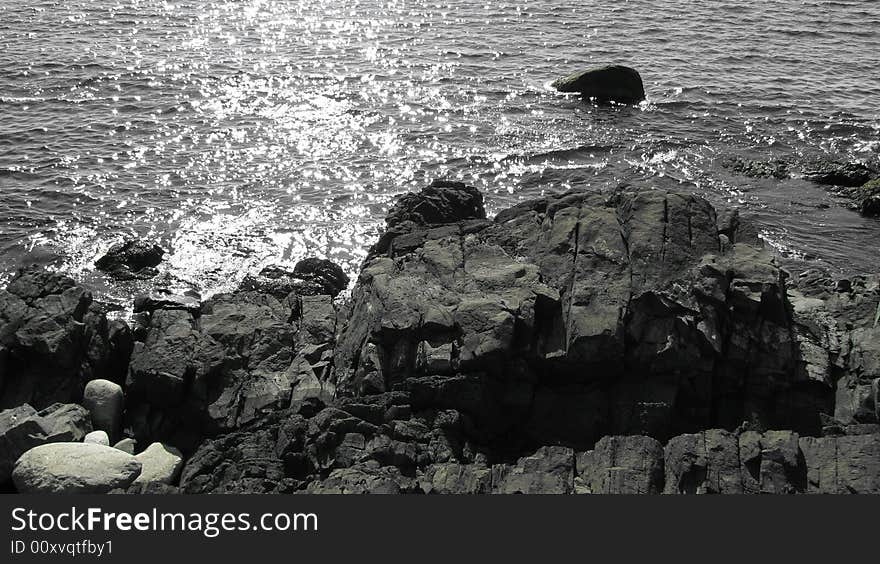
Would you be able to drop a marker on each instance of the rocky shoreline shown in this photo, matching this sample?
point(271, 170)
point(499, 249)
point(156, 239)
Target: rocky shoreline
point(616, 342)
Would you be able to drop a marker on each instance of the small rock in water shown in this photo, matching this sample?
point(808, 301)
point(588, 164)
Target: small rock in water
point(131, 260)
point(613, 83)
point(161, 463)
point(869, 194)
point(98, 438)
point(74, 468)
point(104, 400)
point(839, 174)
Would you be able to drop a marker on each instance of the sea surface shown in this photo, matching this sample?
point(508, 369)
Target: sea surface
point(245, 133)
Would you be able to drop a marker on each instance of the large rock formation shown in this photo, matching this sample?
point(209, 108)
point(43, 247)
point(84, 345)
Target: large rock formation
point(620, 342)
point(54, 339)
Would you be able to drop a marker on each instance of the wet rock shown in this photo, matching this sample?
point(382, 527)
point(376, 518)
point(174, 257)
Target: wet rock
point(309, 277)
point(155, 301)
point(74, 468)
point(839, 174)
point(53, 341)
point(23, 428)
point(776, 168)
point(98, 438)
point(441, 202)
point(868, 198)
point(134, 259)
point(105, 401)
point(369, 478)
point(615, 83)
point(160, 463)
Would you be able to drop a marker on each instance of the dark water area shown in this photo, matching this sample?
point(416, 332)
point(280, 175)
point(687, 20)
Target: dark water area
point(245, 133)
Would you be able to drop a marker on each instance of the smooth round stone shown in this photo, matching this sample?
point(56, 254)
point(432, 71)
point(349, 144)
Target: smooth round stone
point(104, 400)
point(98, 438)
point(74, 468)
point(161, 463)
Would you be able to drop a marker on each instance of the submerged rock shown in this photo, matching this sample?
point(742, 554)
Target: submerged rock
point(131, 259)
point(615, 83)
point(74, 468)
point(839, 174)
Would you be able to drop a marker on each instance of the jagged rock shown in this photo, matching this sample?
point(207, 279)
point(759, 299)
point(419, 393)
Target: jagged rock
point(74, 468)
point(54, 340)
point(369, 478)
point(160, 463)
point(549, 471)
point(839, 174)
point(309, 277)
point(98, 438)
point(105, 401)
point(842, 465)
point(131, 260)
point(615, 83)
point(623, 465)
point(775, 168)
point(578, 316)
point(868, 198)
point(193, 378)
point(457, 478)
point(441, 202)
point(23, 428)
point(151, 302)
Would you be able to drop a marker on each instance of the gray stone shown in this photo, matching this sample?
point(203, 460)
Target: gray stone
point(161, 463)
point(74, 468)
point(105, 401)
point(23, 428)
point(126, 445)
point(98, 438)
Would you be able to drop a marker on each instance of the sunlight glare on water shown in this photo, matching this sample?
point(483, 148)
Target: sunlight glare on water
point(253, 132)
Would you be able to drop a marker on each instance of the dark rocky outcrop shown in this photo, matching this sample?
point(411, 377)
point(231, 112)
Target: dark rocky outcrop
point(54, 339)
point(776, 168)
point(619, 342)
point(833, 173)
point(309, 277)
point(613, 83)
point(134, 259)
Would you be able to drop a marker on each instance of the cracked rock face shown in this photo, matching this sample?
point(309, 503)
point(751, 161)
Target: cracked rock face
point(54, 339)
point(621, 342)
point(580, 316)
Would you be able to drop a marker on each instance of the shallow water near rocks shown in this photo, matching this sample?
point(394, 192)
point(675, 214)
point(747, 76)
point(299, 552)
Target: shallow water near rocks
point(253, 132)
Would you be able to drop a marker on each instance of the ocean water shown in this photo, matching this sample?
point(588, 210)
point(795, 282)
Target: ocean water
point(242, 133)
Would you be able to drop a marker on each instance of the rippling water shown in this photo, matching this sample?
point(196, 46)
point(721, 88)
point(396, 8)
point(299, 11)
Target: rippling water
point(248, 132)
